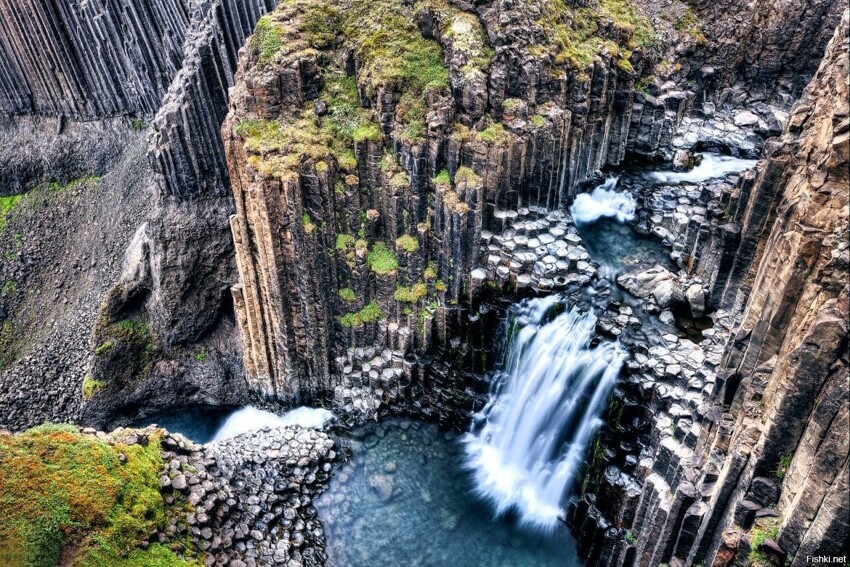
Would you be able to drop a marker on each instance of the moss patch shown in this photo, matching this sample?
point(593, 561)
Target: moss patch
point(347, 294)
point(60, 487)
point(369, 314)
point(382, 260)
point(267, 39)
point(411, 294)
point(407, 243)
point(573, 33)
point(92, 386)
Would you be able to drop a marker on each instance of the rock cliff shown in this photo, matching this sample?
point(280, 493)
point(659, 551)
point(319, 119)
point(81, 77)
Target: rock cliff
point(755, 472)
point(340, 205)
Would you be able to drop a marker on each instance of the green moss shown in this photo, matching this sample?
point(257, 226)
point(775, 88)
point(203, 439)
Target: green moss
point(495, 134)
point(407, 243)
point(367, 132)
point(382, 260)
point(7, 205)
point(411, 294)
point(104, 348)
point(442, 178)
point(782, 467)
point(307, 223)
point(440, 286)
point(10, 287)
point(59, 486)
point(400, 181)
point(689, 23)
point(369, 314)
point(347, 294)
point(267, 40)
point(538, 121)
point(91, 386)
point(430, 272)
point(573, 33)
point(466, 175)
point(201, 355)
point(320, 23)
point(766, 529)
point(625, 65)
point(393, 50)
point(344, 242)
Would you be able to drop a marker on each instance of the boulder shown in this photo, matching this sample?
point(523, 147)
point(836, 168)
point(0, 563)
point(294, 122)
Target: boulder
point(642, 284)
point(668, 294)
point(696, 299)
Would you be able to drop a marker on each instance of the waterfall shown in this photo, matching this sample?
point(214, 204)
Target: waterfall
point(531, 438)
point(603, 201)
point(250, 419)
point(711, 166)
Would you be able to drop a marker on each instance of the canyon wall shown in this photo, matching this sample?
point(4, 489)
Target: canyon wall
point(756, 471)
point(364, 229)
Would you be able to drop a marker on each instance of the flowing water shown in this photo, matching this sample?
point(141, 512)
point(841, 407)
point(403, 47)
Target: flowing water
point(406, 499)
point(603, 202)
point(203, 425)
point(711, 166)
point(530, 440)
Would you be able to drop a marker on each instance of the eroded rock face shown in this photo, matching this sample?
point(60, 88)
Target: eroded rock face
point(509, 122)
point(767, 450)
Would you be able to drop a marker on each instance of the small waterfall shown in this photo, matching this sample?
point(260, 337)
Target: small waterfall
point(711, 166)
point(250, 419)
point(603, 201)
point(531, 438)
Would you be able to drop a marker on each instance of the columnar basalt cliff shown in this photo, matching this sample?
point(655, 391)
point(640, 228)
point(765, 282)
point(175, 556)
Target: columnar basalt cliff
point(756, 471)
point(364, 177)
point(332, 201)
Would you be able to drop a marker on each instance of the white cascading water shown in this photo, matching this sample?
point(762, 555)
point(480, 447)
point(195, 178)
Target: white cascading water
point(711, 166)
point(604, 201)
point(531, 438)
point(250, 419)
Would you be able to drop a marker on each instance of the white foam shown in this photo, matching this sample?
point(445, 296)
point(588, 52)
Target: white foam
point(531, 438)
point(603, 201)
point(250, 419)
point(710, 167)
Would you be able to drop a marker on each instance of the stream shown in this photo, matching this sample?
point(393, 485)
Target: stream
point(412, 495)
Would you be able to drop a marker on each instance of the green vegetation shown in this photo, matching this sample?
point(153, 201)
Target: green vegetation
point(347, 294)
point(538, 121)
point(367, 132)
point(630, 537)
point(91, 386)
point(369, 314)
point(267, 40)
point(411, 294)
point(63, 489)
point(574, 32)
point(494, 134)
point(381, 259)
point(690, 24)
point(10, 287)
point(138, 125)
point(442, 178)
point(440, 286)
point(430, 272)
point(407, 243)
point(466, 175)
point(768, 530)
point(201, 355)
point(307, 223)
point(782, 467)
point(103, 348)
point(344, 242)
point(393, 50)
